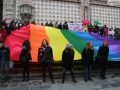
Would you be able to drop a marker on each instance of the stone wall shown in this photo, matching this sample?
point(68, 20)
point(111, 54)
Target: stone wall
point(8, 10)
point(69, 10)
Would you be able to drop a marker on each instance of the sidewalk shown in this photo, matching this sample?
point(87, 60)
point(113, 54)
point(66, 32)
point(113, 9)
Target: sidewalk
point(112, 83)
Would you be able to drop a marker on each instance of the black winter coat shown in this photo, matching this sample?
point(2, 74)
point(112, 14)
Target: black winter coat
point(67, 58)
point(65, 26)
point(26, 55)
point(103, 51)
point(4, 53)
point(87, 56)
point(41, 53)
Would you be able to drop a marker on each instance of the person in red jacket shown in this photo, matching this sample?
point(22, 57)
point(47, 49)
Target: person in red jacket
point(3, 34)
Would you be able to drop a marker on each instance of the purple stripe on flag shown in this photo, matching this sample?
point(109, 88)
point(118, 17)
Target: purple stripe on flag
point(113, 44)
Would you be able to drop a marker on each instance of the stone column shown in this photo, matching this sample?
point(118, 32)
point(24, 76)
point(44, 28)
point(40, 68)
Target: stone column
point(85, 12)
point(14, 11)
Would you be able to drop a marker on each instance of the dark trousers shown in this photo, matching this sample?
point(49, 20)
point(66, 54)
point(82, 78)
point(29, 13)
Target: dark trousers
point(64, 73)
point(4, 69)
point(87, 71)
point(103, 69)
point(25, 69)
point(49, 67)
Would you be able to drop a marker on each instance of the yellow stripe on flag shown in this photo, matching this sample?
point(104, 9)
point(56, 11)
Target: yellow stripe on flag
point(58, 43)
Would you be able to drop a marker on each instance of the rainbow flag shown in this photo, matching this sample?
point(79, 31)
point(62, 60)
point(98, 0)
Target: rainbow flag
point(57, 40)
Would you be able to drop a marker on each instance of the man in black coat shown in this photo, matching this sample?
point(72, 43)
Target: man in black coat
point(4, 60)
point(67, 59)
point(103, 52)
point(65, 26)
point(60, 26)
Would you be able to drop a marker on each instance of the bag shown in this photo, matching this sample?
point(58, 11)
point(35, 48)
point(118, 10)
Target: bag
point(46, 58)
point(42, 60)
point(98, 58)
point(11, 64)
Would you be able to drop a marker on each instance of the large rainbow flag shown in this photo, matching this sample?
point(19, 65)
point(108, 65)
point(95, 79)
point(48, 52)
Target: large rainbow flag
point(57, 40)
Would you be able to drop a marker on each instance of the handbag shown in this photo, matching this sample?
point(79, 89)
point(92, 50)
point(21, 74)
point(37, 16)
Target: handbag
point(98, 58)
point(46, 57)
point(11, 64)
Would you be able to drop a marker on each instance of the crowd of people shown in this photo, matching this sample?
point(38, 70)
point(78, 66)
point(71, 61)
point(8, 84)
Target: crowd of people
point(106, 31)
point(45, 58)
point(6, 29)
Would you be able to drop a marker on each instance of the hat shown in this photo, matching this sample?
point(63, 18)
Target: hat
point(105, 41)
point(69, 46)
point(1, 42)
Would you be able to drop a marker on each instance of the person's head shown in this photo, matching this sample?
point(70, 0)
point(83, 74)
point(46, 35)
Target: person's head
point(1, 44)
point(42, 24)
point(14, 24)
point(6, 25)
point(105, 43)
point(3, 27)
point(105, 25)
point(112, 28)
point(45, 42)
point(69, 46)
point(26, 43)
point(89, 45)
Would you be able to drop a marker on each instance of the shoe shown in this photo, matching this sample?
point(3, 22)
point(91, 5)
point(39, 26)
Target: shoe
point(23, 80)
point(27, 79)
point(44, 80)
point(74, 81)
point(85, 80)
point(62, 82)
point(101, 77)
point(52, 81)
point(90, 79)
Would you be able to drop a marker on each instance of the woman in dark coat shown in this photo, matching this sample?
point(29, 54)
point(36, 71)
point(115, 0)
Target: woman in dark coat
point(87, 57)
point(25, 56)
point(67, 61)
point(103, 52)
point(45, 57)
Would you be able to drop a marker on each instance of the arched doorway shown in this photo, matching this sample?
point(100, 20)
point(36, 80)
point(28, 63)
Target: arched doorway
point(1, 9)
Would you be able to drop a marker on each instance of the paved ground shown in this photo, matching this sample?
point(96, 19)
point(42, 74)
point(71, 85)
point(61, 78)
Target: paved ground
point(112, 83)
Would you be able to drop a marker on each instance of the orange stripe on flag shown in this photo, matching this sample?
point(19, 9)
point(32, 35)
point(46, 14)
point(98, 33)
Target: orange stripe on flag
point(37, 34)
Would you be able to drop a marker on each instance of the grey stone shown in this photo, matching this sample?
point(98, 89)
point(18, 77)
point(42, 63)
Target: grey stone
point(17, 88)
point(96, 84)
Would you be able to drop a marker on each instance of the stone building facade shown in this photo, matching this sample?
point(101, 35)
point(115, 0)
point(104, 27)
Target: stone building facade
point(62, 10)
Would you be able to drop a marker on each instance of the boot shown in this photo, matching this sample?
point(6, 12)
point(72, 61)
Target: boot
point(51, 77)
point(104, 73)
point(102, 77)
point(90, 79)
point(74, 81)
point(44, 80)
point(85, 80)
point(52, 81)
point(23, 80)
point(44, 77)
point(101, 74)
point(63, 81)
point(27, 79)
